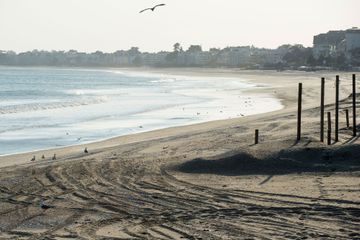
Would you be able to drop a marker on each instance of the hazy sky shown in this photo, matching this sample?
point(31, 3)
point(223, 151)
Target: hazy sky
point(109, 25)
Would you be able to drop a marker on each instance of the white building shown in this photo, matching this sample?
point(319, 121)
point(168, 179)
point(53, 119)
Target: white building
point(234, 56)
point(197, 58)
point(154, 59)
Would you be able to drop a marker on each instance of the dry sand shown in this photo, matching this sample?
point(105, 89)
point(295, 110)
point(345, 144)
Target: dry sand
point(204, 181)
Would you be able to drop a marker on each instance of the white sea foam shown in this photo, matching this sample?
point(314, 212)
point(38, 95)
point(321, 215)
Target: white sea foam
point(164, 80)
point(98, 92)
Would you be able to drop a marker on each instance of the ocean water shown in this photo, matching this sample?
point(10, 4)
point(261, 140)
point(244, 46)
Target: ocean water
point(44, 108)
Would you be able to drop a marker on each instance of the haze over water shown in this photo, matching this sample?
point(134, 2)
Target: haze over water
point(50, 107)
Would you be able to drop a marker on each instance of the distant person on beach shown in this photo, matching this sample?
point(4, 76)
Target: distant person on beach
point(54, 157)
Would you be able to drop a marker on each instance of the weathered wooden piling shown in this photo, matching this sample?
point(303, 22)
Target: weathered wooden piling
point(322, 111)
point(299, 112)
point(347, 118)
point(354, 103)
point(337, 84)
point(256, 136)
point(329, 128)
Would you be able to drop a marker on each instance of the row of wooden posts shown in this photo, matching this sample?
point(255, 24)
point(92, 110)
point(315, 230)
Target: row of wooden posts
point(322, 112)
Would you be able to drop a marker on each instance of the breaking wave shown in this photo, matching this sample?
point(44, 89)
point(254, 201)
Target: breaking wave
point(32, 107)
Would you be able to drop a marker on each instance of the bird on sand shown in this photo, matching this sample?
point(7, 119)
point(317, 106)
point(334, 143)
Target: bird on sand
point(44, 206)
point(152, 8)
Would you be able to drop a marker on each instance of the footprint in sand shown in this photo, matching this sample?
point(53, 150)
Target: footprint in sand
point(320, 185)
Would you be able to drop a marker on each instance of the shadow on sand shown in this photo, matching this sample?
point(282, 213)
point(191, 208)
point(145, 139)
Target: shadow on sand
point(341, 159)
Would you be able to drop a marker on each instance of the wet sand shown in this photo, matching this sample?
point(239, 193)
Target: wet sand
point(204, 181)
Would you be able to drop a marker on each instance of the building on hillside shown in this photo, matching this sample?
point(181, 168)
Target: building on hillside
point(154, 59)
point(352, 46)
point(326, 44)
point(266, 57)
point(336, 42)
point(234, 56)
point(352, 37)
point(197, 58)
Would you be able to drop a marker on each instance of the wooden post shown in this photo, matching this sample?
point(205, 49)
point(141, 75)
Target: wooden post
point(299, 112)
point(354, 103)
point(256, 136)
point(322, 101)
point(347, 118)
point(329, 128)
point(337, 83)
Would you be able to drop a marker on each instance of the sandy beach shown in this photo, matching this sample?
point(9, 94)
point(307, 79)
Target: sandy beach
point(202, 181)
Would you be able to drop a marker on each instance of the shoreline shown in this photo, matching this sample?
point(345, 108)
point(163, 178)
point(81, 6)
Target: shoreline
point(281, 90)
point(100, 140)
point(207, 180)
point(258, 91)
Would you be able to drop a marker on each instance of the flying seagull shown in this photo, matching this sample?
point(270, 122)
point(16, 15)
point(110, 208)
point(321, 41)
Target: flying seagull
point(153, 8)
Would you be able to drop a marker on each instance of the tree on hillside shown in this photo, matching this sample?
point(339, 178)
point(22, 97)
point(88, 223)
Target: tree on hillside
point(297, 55)
point(134, 51)
point(194, 49)
point(177, 47)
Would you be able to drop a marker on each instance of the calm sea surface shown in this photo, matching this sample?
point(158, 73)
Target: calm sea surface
point(51, 107)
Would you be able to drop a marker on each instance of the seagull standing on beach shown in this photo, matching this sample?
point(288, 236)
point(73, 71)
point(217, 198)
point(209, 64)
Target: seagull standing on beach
point(44, 206)
point(153, 8)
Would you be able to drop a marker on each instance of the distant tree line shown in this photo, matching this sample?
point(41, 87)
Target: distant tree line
point(284, 57)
